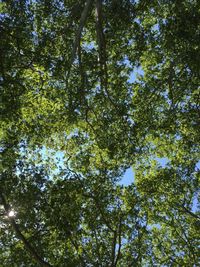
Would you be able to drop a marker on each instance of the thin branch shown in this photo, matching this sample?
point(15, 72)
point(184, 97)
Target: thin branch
point(83, 76)
point(170, 83)
point(184, 209)
point(100, 211)
point(77, 250)
point(187, 240)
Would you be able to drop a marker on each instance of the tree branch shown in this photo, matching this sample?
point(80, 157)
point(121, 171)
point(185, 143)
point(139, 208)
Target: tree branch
point(83, 76)
point(101, 45)
point(84, 16)
point(102, 53)
point(119, 241)
point(77, 39)
point(107, 223)
point(113, 248)
point(19, 234)
point(77, 250)
point(184, 209)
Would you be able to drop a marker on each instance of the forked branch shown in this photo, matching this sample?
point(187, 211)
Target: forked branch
point(77, 39)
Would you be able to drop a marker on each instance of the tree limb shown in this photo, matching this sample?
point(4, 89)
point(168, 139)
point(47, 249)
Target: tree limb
point(101, 44)
point(119, 241)
point(19, 234)
point(114, 248)
point(84, 16)
point(77, 39)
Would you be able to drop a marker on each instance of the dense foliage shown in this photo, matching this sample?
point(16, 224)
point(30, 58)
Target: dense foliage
point(89, 89)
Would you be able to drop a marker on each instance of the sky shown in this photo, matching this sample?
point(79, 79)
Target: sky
point(128, 177)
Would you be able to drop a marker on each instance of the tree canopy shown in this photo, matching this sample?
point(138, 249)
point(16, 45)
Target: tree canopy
point(90, 88)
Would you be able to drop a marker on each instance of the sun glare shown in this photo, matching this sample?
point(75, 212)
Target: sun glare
point(11, 213)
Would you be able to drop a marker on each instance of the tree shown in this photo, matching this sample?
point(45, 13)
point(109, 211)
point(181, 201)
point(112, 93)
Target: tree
point(72, 122)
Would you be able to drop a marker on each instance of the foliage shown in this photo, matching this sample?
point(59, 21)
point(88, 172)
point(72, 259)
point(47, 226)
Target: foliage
point(88, 89)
